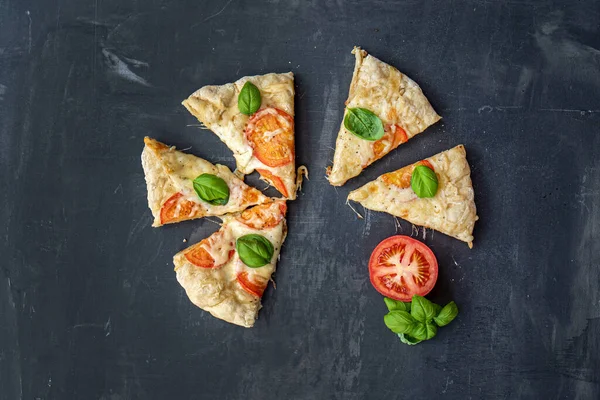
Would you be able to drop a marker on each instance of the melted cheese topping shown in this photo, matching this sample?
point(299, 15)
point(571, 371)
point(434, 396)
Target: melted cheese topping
point(216, 107)
point(393, 97)
point(216, 289)
point(451, 211)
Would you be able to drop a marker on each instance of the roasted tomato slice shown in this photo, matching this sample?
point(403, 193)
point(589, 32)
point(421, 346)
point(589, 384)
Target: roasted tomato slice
point(401, 177)
point(394, 136)
point(401, 267)
point(200, 257)
point(176, 209)
point(270, 132)
point(253, 284)
point(274, 180)
point(263, 216)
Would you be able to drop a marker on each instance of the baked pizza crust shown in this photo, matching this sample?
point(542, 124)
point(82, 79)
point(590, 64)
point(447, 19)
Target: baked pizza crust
point(217, 108)
point(451, 211)
point(169, 171)
point(217, 290)
point(393, 97)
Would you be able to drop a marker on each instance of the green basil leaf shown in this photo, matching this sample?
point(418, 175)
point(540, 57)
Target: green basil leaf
point(422, 309)
point(363, 123)
point(407, 339)
point(424, 181)
point(419, 331)
point(437, 308)
point(399, 321)
point(249, 99)
point(211, 189)
point(431, 330)
point(447, 314)
point(394, 305)
point(254, 250)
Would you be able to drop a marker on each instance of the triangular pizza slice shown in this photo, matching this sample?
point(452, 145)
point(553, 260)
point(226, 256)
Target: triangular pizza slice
point(254, 117)
point(451, 210)
point(227, 273)
point(385, 108)
point(182, 186)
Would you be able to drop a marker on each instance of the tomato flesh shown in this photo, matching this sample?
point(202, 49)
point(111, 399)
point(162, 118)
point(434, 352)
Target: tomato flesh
point(401, 267)
point(394, 136)
point(198, 255)
point(177, 209)
point(274, 180)
point(255, 284)
point(402, 177)
point(264, 216)
point(270, 132)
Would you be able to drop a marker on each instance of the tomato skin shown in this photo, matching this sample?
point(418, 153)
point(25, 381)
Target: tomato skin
point(255, 285)
point(273, 151)
point(187, 209)
point(401, 267)
point(274, 180)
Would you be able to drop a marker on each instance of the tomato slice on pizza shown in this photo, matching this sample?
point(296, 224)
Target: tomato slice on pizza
point(223, 274)
point(261, 137)
point(450, 211)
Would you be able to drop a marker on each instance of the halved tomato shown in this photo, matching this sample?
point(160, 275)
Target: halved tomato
point(402, 177)
point(401, 267)
point(393, 137)
point(273, 180)
point(270, 132)
point(263, 216)
point(176, 209)
point(253, 284)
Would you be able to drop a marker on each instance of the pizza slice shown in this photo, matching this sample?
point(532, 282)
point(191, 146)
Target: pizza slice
point(227, 273)
point(254, 117)
point(385, 108)
point(451, 209)
point(182, 186)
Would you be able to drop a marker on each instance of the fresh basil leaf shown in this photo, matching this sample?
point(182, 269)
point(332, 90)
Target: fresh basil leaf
point(437, 309)
point(424, 181)
point(211, 189)
point(254, 250)
point(394, 305)
point(422, 309)
point(431, 330)
point(363, 123)
point(447, 314)
point(399, 321)
point(419, 331)
point(249, 99)
point(407, 339)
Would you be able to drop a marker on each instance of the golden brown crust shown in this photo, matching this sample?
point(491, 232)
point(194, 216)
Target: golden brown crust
point(393, 97)
point(451, 211)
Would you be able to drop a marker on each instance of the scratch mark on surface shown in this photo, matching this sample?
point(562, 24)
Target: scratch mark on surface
point(214, 15)
point(119, 188)
point(107, 327)
point(118, 67)
point(29, 38)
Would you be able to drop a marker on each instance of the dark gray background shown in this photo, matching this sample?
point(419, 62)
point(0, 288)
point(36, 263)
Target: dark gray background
point(89, 304)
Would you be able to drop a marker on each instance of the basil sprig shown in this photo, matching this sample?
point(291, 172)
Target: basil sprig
point(418, 320)
point(211, 189)
point(424, 181)
point(254, 250)
point(363, 123)
point(249, 99)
